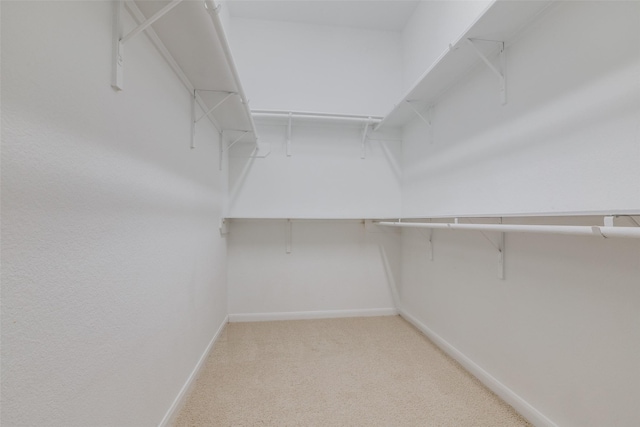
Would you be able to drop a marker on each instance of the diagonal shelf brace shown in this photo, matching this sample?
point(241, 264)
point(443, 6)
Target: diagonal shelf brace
point(244, 132)
point(288, 148)
point(143, 26)
point(215, 107)
point(119, 40)
point(498, 73)
point(427, 120)
point(220, 150)
point(365, 131)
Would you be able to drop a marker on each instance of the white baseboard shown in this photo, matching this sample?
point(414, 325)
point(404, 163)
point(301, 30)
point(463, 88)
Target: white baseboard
point(504, 392)
point(177, 404)
point(300, 315)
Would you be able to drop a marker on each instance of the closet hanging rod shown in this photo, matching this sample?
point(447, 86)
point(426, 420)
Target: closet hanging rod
point(316, 115)
point(596, 231)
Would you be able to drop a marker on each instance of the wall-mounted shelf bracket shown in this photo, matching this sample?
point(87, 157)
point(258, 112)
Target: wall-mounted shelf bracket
point(220, 150)
point(119, 40)
point(501, 249)
point(194, 121)
point(224, 229)
point(427, 119)
point(235, 141)
point(365, 131)
point(289, 235)
point(212, 109)
point(501, 74)
point(430, 245)
point(288, 147)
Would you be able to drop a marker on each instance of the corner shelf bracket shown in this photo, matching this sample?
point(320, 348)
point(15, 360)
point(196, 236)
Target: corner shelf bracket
point(119, 40)
point(501, 74)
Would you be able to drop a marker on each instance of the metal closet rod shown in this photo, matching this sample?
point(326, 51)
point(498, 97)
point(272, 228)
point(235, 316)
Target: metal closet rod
point(316, 115)
point(595, 231)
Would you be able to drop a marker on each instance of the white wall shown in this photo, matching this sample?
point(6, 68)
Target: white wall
point(113, 278)
point(431, 28)
point(325, 176)
point(335, 269)
point(568, 138)
point(290, 66)
point(562, 331)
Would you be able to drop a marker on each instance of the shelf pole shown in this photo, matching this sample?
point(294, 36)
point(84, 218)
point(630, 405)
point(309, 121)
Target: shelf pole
point(579, 230)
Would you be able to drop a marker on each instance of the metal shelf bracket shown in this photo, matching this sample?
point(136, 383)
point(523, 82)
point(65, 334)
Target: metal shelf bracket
point(501, 74)
point(194, 121)
point(289, 235)
point(427, 119)
point(119, 40)
point(365, 131)
point(501, 249)
point(288, 148)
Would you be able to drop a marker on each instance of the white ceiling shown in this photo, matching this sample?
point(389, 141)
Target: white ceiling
point(390, 15)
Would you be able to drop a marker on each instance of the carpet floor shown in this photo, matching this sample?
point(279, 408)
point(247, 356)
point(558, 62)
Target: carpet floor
point(376, 371)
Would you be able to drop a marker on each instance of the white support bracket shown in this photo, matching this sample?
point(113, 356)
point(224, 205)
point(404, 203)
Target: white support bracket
point(499, 246)
point(501, 249)
point(224, 229)
point(289, 235)
point(215, 107)
point(365, 131)
point(220, 150)
point(608, 221)
point(427, 119)
point(244, 132)
point(194, 121)
point(501, 74)
point(288, 147)
point(119, 40)
point(430, 244)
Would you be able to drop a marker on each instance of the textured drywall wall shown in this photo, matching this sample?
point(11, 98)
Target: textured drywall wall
point(324, 177)
point(568, 138)
point(561, 331)
point(333, 266)
point(290, 66)
point(113, 270)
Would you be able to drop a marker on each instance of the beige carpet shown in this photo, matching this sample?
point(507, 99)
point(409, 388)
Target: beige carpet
point(376, 371)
